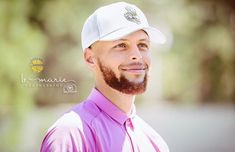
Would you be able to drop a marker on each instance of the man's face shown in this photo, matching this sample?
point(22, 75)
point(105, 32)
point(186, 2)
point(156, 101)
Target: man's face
point(124, 64)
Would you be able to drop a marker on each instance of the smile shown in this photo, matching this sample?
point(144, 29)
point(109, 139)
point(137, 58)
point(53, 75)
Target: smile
point(140, 70)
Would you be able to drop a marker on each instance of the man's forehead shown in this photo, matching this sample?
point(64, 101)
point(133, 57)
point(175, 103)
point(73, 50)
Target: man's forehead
point(136, 36)
point(139, 40)
point(139, 35)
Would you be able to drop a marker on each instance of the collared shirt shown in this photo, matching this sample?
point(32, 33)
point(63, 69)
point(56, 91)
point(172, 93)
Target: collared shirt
point(97, 125)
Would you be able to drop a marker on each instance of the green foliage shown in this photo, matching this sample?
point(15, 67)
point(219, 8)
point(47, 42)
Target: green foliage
point(198, 66)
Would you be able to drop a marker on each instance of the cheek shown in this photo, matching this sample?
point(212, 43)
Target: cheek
point(111, 61)
point(147, 58)
point(115, 59)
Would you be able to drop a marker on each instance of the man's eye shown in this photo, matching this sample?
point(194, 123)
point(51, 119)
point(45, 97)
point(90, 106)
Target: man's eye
point(143, 46)
point(121, 45)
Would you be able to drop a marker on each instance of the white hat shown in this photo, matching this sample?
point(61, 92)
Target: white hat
point(114, 21)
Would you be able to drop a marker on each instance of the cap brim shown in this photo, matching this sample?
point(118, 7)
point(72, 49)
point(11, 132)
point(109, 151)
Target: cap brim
point(155, 35)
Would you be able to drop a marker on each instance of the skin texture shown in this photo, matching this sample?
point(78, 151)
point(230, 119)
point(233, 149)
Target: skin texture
point(120, 67)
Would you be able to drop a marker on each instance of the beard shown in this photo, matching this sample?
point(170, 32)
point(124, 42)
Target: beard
point(122, 84)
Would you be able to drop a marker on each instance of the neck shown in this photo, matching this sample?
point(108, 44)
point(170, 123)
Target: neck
point(121, 100)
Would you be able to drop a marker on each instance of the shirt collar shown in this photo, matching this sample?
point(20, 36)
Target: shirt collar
point(108, 107)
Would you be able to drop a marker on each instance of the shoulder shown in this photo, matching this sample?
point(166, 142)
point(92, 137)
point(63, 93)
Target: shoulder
point(71, 131)
point(68, 120)
point(65, 135)
point(152, 135)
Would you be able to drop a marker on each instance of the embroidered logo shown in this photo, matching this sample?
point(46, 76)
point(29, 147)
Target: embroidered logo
point(131, 15)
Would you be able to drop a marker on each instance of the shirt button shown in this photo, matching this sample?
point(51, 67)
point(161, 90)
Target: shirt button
point(129, 123)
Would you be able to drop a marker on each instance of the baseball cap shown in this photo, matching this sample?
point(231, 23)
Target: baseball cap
point(117, 20)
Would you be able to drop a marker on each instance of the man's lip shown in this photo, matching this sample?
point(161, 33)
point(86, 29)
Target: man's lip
point(135, 70)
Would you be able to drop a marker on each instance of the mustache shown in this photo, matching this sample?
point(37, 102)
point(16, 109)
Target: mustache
point(134, 65)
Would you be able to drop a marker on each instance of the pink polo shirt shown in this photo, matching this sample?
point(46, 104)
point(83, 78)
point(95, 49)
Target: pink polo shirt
point(97, 125)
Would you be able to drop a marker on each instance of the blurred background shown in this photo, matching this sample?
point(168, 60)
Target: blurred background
point(190, 99)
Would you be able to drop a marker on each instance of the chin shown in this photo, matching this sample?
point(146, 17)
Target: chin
point(139, 80)
point(135, 78)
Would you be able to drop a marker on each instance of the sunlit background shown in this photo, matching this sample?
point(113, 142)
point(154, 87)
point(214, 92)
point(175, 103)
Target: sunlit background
point(190, 99)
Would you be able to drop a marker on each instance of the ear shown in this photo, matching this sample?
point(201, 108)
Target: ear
point(89, 57)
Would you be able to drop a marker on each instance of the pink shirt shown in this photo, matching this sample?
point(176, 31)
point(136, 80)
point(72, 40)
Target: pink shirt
point(97, 125)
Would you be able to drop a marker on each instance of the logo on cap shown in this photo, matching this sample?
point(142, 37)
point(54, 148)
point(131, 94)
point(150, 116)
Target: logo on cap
point(131, 15)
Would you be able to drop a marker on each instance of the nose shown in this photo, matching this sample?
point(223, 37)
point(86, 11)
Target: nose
point(135, 53)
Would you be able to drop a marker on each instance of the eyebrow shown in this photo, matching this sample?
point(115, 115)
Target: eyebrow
point(147, 40)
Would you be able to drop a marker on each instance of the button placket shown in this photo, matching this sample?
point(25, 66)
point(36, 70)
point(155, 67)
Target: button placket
point(130, 131)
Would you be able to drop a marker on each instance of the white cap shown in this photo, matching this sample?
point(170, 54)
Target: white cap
point(117, 20)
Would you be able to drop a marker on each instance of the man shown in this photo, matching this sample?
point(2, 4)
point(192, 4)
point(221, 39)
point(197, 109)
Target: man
point(115, 41)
